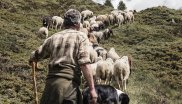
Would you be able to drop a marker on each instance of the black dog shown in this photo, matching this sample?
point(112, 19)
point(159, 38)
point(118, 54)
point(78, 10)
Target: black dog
point(123, 97)
point(106, 95)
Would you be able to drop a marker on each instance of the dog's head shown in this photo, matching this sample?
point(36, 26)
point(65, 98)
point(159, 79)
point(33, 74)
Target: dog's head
point(124, 99)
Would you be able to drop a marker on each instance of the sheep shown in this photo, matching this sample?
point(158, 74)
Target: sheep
point(92, 39)
point(104, 71)
point(129, 16)
point(86, 24)
point(120, 19)
point(100, 51)
point(85, 30)
point(122, 69)
point(94, 67)
point(103, 18)
point(99, 35)
point(92, 18)
point(110, 70)
point(81, 25)
point(111, 18)
point(115, 13)
point(95, 27)
point(43, 31)
point(101, 25)
point(102, 34)
point(112, 54)
point(85, 14)
point(57, 22)
point(92, 22)
point(47, 21)
point(93, 54)
point(108, 33)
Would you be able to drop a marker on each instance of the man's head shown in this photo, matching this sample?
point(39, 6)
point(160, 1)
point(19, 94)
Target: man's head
point(72, 18)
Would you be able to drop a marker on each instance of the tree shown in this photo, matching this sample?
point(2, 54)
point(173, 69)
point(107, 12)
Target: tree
point(108, 3)
point(121, 5)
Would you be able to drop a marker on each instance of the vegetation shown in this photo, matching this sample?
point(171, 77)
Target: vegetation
point(108, 3)
point(154, 42)
point(121, 6)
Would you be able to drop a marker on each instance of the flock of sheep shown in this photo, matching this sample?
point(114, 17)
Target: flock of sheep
point(107, 65)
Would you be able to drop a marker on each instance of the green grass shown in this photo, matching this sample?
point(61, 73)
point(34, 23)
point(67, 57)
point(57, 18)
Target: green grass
point(154, 43)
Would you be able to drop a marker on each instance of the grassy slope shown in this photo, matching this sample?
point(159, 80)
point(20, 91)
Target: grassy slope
point(154, 43)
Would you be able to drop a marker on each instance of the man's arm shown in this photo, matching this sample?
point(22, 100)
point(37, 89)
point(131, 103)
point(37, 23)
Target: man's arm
point(41, 53)
point(85, 68)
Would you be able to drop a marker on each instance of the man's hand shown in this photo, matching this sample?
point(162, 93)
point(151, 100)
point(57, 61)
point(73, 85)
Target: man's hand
point(30, 62)
point(93, 99)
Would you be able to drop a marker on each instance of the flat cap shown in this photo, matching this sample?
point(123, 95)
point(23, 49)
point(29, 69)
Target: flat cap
point(72, 16)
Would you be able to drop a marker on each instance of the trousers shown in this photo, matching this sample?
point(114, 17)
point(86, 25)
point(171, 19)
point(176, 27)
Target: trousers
point(61, 91)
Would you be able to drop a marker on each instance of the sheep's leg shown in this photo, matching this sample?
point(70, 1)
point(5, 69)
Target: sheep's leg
point(117, 80)
point(100, 81)
point(110, 80)
point(121, 87)
point(56, 27)
point(125, 85)
point(105, 81)
point(46, 35)
point(97, 80)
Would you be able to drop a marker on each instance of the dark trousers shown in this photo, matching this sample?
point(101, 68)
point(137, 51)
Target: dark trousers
point(61, 91)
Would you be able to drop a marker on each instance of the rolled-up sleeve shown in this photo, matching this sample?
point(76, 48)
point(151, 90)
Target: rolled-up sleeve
point(83, 53)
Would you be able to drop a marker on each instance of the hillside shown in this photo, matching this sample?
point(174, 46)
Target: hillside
point(154, 42)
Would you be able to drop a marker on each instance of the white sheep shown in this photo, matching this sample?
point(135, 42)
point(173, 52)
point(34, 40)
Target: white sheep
point(92, 39)
point(120, 19)
point(104, 71)
point(102, 34)
point(94, 67)
point(43, 31)
point(111, 18)
point(99, 35)
point(129, 16)
point(92, 18)
point(112, 54)
point(95, 27)
point(122, 71)
point(57, 22)
point(81, 25)
point(85, 14)
point(101, 25)
point(93, 54)
point(85, 30)
point(92, 22)
point(103, 18)
point(100, 51)
point(86, 24)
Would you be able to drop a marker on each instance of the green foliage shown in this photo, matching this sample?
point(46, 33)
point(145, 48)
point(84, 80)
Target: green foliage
point(121, 5)
point(108, 3)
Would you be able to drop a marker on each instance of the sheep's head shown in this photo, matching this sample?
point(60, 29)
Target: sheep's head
point(92, 38)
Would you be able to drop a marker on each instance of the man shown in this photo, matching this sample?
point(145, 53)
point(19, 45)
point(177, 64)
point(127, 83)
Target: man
point(69, 55)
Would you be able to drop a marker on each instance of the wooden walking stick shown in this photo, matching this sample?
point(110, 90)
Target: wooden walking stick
point(34, 66)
